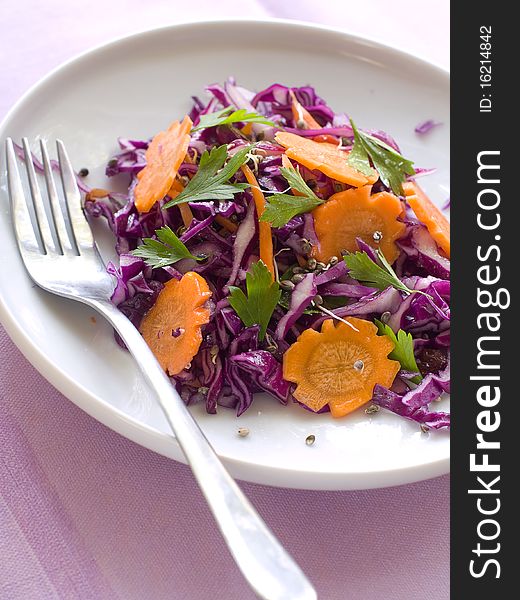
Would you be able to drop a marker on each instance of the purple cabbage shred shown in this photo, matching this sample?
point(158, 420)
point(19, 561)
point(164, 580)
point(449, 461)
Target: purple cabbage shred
point(233, 363)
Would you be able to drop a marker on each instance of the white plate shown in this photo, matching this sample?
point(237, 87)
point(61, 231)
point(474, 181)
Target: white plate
point(136, 86)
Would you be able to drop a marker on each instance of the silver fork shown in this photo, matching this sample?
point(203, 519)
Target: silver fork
point(71, 266)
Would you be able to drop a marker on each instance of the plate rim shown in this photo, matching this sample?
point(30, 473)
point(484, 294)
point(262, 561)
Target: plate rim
point(143, 434)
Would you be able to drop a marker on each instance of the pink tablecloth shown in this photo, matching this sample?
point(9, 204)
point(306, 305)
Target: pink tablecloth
point(86, 514)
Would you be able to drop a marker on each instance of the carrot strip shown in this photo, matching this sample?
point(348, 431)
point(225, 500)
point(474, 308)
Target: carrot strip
point(226, 223)
point(176, 187)
point(186, 214)
point(96, 193)
point(266, 238)
point(326, 139)
point(164, 156)
point(286, 163)
point(184, 209)
point(428, 213)
point(301, 114)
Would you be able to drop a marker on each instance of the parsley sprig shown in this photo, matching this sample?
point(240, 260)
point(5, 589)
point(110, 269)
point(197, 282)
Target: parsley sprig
point(163, 251)
point(262, 297)
point(211, 181)
point(403, 349)
point(380, 276)
point(281, 208)
point(228, 116)
point(364, 269)
point(391, 166)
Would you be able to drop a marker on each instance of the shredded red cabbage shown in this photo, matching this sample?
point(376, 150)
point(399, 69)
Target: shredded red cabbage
point(426, 126)
point(233, 363)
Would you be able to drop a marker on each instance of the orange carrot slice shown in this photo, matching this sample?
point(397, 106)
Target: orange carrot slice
point(327, 139)
point(428, 213)
point(96, 193)
point(184, 209)
point(301, 115)
point(186, 214)
point(163, 159)
point(266, 238)
point(355, 213)
point(339, 366)
point(286, 163)
point(171, 328)
point(324, 157)
point(176, 188)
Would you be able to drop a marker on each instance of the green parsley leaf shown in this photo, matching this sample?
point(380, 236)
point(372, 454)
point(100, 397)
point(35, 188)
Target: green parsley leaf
point(211, 181)
point(364, 269)
point(164, 251)
point(298, 183)
point(281, 208)
point(403, 350)
point(358, 157)
point(263, 294)
point(391, 166)
point(227, 116)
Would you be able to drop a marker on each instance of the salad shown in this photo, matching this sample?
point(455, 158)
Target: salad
point(268, 244)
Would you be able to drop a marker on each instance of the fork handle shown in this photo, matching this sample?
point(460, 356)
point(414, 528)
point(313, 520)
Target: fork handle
point(268, 568)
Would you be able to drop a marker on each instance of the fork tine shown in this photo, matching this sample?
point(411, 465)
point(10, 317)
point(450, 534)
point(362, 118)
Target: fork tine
point(25, 233)
point(67, 245)
point(80, 226)
point(41, 216)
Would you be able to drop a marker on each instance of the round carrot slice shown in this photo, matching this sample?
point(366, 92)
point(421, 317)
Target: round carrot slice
point(339, 366)
point(324, 157)
point(164, 156)
point(353, 214)
point(428, 213)
point(172, 327)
